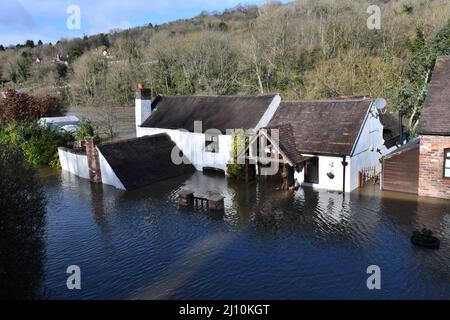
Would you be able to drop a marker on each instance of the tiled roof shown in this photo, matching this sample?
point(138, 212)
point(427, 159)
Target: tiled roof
point(215, 112)
point(435, 118)
point(326, 127)
point(286, 143)
point(143, 161)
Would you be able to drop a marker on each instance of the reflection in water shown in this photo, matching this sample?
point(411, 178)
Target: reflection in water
point(177, 275)
point(266, 245)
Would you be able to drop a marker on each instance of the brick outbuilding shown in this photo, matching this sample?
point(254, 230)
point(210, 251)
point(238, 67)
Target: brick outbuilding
point(434, 131)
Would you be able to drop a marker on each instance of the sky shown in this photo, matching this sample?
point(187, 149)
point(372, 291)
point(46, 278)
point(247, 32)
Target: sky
point(46, 20)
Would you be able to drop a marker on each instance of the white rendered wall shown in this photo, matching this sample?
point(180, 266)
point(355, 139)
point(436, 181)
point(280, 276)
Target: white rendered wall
point(365, 153)
point(74, 163)
point(142, 110)
point(108, 175)
point(328, 164)
point(193, 147)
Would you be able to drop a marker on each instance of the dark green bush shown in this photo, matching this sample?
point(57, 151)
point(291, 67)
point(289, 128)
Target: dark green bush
point(22, 222)
point(87, 129)
point(39, 144)
point(237, 171)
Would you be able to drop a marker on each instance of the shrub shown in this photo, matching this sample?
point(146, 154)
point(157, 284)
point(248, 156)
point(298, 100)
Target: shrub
point(39, 144)
point(235, 170)
point(48, 106)
point(18, 107)
point(22, 221)
point(87, 129)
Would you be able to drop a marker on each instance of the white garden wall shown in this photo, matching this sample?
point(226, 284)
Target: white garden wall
point(74, 162)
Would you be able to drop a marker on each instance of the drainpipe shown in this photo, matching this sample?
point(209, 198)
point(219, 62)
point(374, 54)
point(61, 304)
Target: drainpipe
point(344, 166)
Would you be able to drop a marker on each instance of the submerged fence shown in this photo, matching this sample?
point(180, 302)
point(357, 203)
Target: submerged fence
point(369, 175)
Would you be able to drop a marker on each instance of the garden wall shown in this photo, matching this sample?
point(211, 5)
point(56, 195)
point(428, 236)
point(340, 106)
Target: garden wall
point(75, 162)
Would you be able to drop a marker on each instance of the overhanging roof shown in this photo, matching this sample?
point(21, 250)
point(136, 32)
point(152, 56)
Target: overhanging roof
point(215, 112)
point(324, 127)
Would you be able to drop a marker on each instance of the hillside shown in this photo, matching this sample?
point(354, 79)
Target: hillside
point(304, 49)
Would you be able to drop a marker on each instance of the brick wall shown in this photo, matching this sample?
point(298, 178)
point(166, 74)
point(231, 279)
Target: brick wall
point(431, 167)
point(93, 161)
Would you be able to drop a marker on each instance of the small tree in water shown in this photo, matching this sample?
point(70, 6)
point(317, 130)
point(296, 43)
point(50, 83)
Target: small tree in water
point(22, 220)
point(236, 170)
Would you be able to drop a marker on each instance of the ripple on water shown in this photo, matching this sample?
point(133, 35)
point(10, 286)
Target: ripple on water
point(307, 244)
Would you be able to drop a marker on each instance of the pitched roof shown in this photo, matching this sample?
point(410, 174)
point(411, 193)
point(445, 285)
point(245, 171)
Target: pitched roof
point(286, 143)
point(215, 112)
point(327, 127)
point(435, 118)
point(413, 144)
point(139, 162)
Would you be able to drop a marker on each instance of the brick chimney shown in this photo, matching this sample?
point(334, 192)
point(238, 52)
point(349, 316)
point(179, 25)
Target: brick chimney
point(143, 104)
point(93, 160)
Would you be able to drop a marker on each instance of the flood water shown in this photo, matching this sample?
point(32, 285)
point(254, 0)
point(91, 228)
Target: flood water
point(268, 244)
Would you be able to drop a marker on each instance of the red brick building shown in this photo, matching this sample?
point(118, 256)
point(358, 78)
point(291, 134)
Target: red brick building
point(434, 131)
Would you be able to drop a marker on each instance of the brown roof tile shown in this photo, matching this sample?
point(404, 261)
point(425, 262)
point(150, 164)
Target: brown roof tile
point(435, 118)
point(216, 112)
point(327, 127)
point(286, 143)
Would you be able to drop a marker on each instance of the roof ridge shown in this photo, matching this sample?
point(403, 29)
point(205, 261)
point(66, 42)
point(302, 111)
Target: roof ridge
point(131, 139)
point(328, 100)
point(218, 95)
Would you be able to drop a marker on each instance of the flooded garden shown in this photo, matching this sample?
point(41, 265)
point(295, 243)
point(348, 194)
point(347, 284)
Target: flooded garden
point(267, 244)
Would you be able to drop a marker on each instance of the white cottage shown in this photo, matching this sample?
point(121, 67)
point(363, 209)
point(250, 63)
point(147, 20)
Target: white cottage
point(201, 125)
point(323, 144)
point(327, 143)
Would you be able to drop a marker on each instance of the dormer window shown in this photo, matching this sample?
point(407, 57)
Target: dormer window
point(447, 163)
point(212, 143)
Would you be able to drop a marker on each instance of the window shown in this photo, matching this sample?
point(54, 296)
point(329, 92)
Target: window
point(447, 163)
point(212, 143)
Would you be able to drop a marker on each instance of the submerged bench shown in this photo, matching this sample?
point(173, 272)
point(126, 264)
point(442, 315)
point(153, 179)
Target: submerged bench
point(212, 202)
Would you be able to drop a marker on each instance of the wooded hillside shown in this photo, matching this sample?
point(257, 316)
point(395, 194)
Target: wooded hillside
point(304, 49)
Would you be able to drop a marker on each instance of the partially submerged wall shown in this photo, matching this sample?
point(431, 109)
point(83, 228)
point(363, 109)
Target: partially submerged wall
point(328, 165)
point(75, 162)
